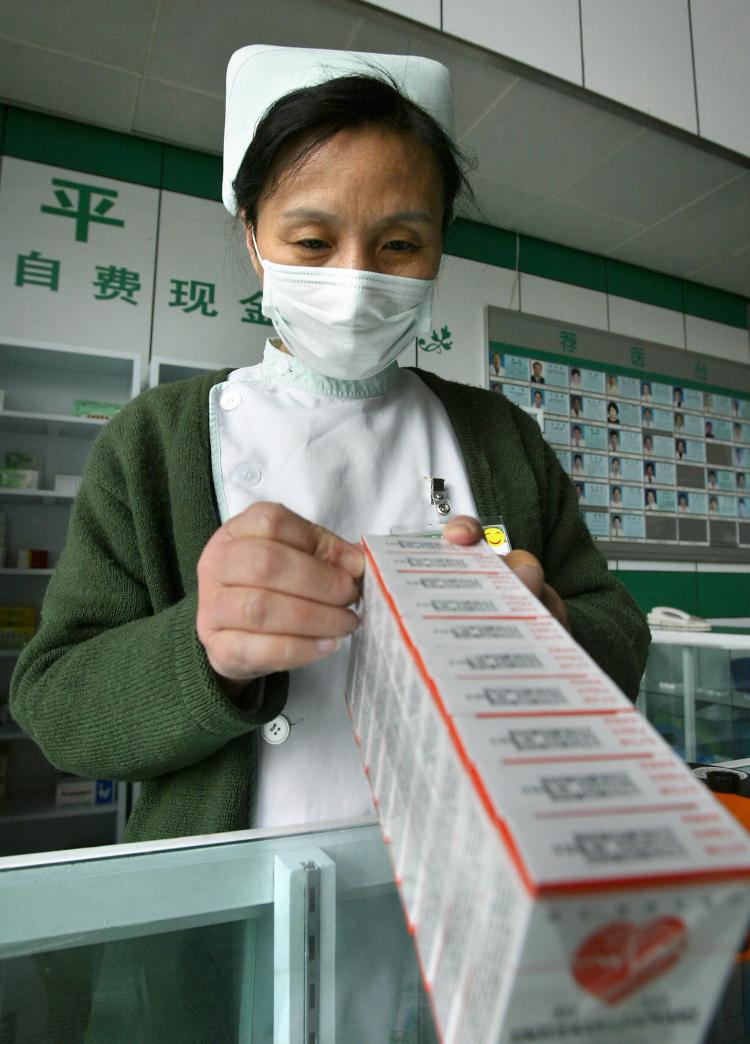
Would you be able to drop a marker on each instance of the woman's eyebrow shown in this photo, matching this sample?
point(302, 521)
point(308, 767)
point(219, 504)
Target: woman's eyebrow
point(309, 214)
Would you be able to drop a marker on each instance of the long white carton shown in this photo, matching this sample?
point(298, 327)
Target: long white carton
point(564, 874)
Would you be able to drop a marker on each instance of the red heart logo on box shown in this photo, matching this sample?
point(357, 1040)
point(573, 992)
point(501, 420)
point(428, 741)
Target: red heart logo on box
point(622, 956)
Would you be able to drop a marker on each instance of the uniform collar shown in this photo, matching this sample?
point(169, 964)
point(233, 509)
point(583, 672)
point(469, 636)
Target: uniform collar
point(280, 367)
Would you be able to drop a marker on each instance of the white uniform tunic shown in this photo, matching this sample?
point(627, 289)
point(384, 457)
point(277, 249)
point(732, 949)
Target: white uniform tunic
point(355, 457)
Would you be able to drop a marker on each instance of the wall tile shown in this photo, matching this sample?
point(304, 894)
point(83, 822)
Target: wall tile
point(722, 71)
point(545, 34)
point(724, 342)
point(646, 322)
point(639, 54)
point(463, 291)
point(426, 11)
point(572, 304)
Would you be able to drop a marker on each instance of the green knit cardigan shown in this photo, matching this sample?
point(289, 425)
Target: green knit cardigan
point(116, 683)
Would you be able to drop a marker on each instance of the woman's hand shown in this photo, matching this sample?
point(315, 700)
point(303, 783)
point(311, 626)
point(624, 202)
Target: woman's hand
point(272, 594)
point(466, 530)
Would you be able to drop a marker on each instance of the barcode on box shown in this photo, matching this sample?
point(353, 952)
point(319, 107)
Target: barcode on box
point(503, 661)
point(552, 739)
point(496, 631)
point(583, 788)
point(450, 583)
point(454, 605)
point(430, 562)
point(507, 696)
point(625, 846)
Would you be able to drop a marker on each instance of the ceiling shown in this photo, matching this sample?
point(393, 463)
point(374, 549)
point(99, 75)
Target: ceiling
point(552, 160)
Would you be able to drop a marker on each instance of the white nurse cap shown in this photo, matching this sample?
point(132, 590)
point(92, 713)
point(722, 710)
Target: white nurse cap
point(259, 75)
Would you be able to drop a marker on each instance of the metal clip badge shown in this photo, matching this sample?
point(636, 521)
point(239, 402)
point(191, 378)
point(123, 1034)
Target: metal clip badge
point(439, 496)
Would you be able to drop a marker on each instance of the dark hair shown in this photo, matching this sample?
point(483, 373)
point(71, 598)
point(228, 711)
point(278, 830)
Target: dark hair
point(311, 116)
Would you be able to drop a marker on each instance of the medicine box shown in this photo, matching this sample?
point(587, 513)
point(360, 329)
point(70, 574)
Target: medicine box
point(68, 485)
point(95, 410)
point(563, 873)
point(19, 478)
point(71, 790)
point(20, 459)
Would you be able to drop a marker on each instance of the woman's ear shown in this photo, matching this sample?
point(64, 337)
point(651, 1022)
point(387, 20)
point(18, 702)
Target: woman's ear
point(254, 260)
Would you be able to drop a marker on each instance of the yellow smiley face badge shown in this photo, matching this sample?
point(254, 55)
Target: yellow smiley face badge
point(497, 538)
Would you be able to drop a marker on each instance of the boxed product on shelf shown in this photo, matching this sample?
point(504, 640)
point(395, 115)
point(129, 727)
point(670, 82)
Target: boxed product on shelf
point(13, 636)
point(560, 867)
point(17, 625)
point(72, 790)
point(34, 558)
point(26, 461)
point(18, 615)
point(3, 539)
point(95, 410)
point(19, 478)
point(2, 398)
point(68, 485)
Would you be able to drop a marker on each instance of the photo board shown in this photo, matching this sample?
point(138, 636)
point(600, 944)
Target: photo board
point(656, 440)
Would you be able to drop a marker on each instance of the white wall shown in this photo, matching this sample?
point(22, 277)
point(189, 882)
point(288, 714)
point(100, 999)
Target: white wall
point(657, 58)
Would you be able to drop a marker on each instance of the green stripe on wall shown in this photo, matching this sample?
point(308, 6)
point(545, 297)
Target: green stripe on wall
point(723, 594)
point(3, 110)
point(64, 143)
point(702, 594)
point(565, 264)
point(191, 172)
point(485, 243)
point(678, 589)
point(641, 284)
point(706, 302)
point(78, 146)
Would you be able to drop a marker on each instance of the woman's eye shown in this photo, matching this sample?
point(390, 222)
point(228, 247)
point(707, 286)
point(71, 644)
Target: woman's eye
point(400, 245)
point(312, 244)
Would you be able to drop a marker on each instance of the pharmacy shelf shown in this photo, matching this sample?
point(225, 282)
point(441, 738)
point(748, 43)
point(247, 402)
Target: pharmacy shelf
point(35, 496)
point(48, 423)
point(7, 571)
point(38, 806)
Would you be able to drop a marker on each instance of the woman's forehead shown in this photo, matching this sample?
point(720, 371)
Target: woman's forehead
point(358, 169)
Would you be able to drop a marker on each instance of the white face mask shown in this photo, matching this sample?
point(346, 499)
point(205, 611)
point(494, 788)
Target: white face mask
point(342, 322)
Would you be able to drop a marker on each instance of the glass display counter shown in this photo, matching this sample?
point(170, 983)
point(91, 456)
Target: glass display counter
point(253, 936)
point(696, 692)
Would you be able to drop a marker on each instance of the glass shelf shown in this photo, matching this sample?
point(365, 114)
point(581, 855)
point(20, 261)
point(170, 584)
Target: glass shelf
point(8, 571)
point(48, 423)
point(36, 806)
point(255, 936)
point(35, 496)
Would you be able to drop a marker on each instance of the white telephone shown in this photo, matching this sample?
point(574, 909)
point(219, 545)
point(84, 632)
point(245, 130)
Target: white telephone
point(676, 619)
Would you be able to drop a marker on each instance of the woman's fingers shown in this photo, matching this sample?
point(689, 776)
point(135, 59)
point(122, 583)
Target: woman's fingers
point(236, 655)
point(463, 529)
point(274, 522)
point(273, 566)
point(268, 612)
point(527, 568)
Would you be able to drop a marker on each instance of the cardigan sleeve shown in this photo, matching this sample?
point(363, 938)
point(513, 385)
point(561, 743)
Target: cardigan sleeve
point(604, 618)
point(109, 688)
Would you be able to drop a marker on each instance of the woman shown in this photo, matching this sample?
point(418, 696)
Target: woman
point(196, 615)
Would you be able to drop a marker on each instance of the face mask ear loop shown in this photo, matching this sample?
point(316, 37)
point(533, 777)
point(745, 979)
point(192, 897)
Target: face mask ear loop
point(255, 246)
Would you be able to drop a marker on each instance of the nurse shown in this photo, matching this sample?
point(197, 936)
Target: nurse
point(194, 634)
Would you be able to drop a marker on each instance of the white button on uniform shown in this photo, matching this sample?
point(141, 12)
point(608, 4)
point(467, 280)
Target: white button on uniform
point(247, 475)
point(230, 399)
point(276, 731)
